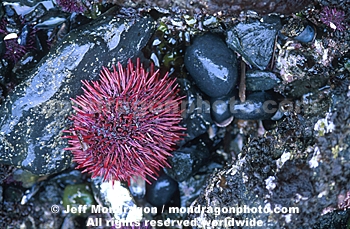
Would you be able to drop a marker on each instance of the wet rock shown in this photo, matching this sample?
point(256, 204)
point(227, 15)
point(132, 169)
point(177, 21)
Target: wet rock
point(12, 194)
point(212, 65)
point(9, 11)
point(1, 10)
point(12, 213)
point(196, 115)
point(36, 12)
point(191, 188)
point(220, 110)
point(270, 124)
point(5, 172)
point(258, 105)
point(254, 41)
point(35, 113)
point(260, 80)
point(288, 167)
point(186, 161)
point(51, 193)
point(227, 189)
point(334, 220)
point(2, 45)
point(231, 7)
point(161, 191)
point(69, 222)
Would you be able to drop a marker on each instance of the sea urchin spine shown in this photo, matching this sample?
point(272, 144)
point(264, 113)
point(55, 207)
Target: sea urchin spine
point(125, 124)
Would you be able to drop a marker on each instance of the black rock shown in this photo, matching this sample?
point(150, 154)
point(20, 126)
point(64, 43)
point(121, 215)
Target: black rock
point(196, 115)
point(260, 80)
point(254, 41)
point(36, 111)
point(258, 106)
point(212, 65)
point(188, 160)
point(161, 191)
point(334, 220)
point(220, 110)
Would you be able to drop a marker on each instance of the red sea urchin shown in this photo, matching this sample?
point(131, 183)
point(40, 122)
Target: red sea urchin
point(126, 124)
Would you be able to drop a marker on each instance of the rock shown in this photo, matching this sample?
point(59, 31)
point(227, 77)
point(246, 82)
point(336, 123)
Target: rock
point(258, 105)
point(228, 6)
point(212, 65)
point(35, 113)
point(187, 160)
point(254, 41)
point(191, 188)
point(69, 178)
point(161, 191)
point(260, 80)
point(196, 115)
point(51, 193)
point(12, 193)
point(289, 168)
point(220, 110)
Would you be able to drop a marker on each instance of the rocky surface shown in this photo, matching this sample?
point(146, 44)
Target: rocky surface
point(36, 112)
point(297, 158)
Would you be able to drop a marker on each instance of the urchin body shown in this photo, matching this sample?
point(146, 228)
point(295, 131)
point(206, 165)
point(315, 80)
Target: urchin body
point(125, 124)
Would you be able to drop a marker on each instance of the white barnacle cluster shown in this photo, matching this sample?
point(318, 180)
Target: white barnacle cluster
point(290, 62)
point(324, 126)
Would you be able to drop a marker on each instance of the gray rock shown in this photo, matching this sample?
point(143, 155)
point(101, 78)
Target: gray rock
point(220, 110)
point(254, 41)
point(261, 80)
point(35, 113)
point(258, 106)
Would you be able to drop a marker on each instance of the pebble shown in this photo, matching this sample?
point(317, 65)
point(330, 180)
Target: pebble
point(161, 191)
point(212, 65)
point(220, 110)
point(188, 160)
point(258, 106)
point(261, 80)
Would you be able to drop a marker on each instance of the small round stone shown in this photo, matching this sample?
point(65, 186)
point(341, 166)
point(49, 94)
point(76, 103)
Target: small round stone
point(220, 111)
point(212, 65)
point(258, 106)
point(161, 191)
